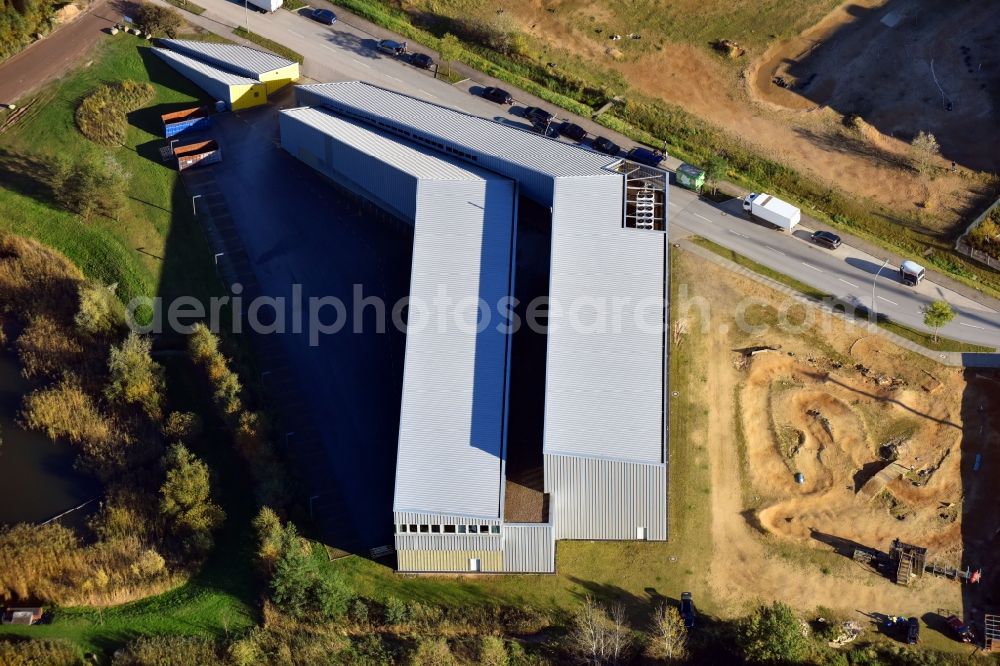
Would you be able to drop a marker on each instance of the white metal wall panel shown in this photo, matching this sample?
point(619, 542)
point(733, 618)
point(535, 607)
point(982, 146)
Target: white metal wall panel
point(239, 59)
point(606, 499)
point(529, 549)
point(214, 81)
point(448, 542)
point(451, 427)
point(531, 159)
point(604, 385)
point(355, 165)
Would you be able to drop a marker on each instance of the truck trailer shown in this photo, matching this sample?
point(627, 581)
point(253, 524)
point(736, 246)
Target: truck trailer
point(266, 5)
point(773, 210)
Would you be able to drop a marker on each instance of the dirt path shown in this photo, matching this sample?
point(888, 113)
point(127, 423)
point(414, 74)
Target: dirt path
point(56, 54)
point(749, 564)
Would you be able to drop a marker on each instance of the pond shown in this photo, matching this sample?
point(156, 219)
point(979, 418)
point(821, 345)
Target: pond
point(37, 478)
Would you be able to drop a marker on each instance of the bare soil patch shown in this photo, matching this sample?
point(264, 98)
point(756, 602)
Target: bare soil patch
point(837, 405)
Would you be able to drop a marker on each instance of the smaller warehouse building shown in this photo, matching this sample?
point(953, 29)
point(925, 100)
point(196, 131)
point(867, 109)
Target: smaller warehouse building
point(271, 70)
point(237, 91)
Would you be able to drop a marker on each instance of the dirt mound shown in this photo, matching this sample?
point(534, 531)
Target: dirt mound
point(839, 429)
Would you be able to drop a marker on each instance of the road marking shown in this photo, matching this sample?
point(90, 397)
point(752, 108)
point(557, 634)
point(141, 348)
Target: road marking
point(674, 204)
point(297, 34)
point(981, 328)
point(776, 250)
point(738, 233)
point(429, 94)
point(702, 217)
point(849, 283)
point(390, 76)
point(818, 270)
point(888, 301)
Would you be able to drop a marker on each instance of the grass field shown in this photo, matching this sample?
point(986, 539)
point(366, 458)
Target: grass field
point(155, 247)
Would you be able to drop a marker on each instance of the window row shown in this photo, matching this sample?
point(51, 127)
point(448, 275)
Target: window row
point(447, 529)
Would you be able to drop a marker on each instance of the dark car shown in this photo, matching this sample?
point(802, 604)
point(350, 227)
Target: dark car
point(826, 239)
point(498, 95)
point(962, 631)
point(573, 131)
point(537, 115)
point(606, 146)
point(913, 631)
point(421, 60)
point(645, 156)
point(323, 16)
point(391, 47)
point(687, 609)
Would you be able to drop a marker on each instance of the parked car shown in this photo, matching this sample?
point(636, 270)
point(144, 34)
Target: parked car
point(391, 47)
point(538, 116)
point(913, 631)
point(961, 631)
point(573, 131)
point(421, 60)
point(645, 156)
point(498, 95)
point(606, 146)
point(323, 16)
point(826, 239)
point(687, 609)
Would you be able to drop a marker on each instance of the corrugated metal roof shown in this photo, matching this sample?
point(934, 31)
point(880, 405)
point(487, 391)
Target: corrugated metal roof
point(228, 78)
point(233, 57)
point(404, 156)
point(604, 369)
point(477, 135)
point(450, 452)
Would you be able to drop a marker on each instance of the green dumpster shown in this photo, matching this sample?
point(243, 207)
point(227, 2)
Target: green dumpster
point(690, 177)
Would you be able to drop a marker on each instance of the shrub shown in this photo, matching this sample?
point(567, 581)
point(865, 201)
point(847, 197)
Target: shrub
point(493, 651)
point(772, 635)
point(135, 378)
point(432, 652)
point(92, 187)
point(46, 348)
point(396, 611)
point(38, 561)
point(252, 436)
point(100, 313)
point(65, 410)
point(21, 652)
point(297, 586)
point(185, 500)
point(168, 651)
point(986, 237)
point(203, 344)
point(182, 427)
point(102, 115)
point(157, 20)
point(267, 528)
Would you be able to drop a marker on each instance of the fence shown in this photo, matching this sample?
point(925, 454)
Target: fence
point(963, 247)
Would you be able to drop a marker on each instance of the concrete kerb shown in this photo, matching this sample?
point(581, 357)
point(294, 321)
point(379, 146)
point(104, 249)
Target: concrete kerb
point(953, 359)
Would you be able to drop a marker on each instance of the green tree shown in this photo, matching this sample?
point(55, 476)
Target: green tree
point(100, 312)
point(715, 170)
point(923, 149)
point(267, 528)
point(203, 344)
point(297, 585)
point(450, 48)
point(772, 635)
point(936, 315)
point(158, 20)
point(134, 377)
point(185, 499)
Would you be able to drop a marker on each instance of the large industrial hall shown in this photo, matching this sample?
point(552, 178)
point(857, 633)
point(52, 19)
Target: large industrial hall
point(464, 184)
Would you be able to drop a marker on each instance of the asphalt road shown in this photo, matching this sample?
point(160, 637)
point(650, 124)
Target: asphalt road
point(346, 52)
